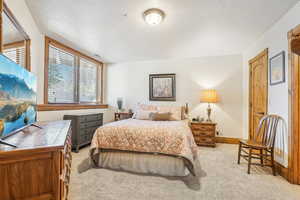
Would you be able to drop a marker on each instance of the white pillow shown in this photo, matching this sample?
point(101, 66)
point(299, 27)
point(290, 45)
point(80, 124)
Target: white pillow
point(142, 114)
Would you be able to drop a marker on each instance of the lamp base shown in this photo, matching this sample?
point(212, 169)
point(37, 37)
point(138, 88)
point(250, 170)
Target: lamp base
point(208, 113)
point(209, 120)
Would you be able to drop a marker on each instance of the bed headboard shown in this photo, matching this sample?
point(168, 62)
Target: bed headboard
point(184, 108)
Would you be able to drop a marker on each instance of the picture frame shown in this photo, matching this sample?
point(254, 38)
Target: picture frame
point(277, 69)
point(162, 87)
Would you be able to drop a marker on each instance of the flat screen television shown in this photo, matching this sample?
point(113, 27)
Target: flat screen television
point(17, 97)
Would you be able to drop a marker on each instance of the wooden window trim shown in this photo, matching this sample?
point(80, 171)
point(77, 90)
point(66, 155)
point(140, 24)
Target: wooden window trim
point(57, 107)
point(74, 106)
point(50, 41)
point(14, 45)
point(26, 42)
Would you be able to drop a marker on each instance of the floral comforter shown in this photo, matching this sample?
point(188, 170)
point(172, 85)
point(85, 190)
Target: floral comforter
point(172, 138)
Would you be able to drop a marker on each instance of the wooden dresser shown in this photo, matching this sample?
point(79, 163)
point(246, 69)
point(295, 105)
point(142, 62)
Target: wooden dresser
point(39, 168)
point(204, 133)
point(84, 127)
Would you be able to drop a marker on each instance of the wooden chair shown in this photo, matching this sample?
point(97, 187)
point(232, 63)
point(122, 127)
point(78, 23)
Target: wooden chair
point(262, 147)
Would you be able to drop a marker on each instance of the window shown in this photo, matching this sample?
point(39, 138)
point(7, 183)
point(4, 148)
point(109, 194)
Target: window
point(16, 42)
point(61, 76)
point(87, 77)
point(16, 54)
point(71, 77)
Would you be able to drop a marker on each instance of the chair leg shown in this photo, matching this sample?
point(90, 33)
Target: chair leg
point(249, 159)
point(272, 163)
point(261, 157)
point(239, 153)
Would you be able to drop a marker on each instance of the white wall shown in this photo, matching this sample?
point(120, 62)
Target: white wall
point(23, 15)
point(224, 73)
point(276, 40)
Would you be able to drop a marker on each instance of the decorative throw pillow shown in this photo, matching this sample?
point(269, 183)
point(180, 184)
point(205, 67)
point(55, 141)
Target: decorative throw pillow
point(160, 116)
point(142, 114)
point(176, 111)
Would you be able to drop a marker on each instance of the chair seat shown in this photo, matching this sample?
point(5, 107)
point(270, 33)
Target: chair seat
point(253, 144)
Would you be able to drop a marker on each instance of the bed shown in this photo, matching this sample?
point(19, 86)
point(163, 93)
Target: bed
point(164, 148)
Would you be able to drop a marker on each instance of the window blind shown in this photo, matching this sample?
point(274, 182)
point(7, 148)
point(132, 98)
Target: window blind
point(61, 76)
point(17, 54)
point(88, 81)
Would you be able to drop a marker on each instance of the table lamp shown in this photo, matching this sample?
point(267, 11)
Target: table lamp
point(209, 96)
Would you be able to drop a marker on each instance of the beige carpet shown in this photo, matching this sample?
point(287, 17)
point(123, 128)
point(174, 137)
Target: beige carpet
point(222, 179)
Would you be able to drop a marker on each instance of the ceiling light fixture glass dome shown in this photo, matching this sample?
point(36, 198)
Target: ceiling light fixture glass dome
point(154, 16)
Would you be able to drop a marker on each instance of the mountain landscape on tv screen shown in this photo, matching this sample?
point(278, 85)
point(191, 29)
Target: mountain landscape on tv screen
point(15, 88)
point(17, 97)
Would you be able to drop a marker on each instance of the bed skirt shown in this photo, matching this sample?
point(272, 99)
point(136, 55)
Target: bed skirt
point(144, 163)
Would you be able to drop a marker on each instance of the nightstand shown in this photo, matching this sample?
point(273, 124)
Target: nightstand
point(122, 115)
point(204, 133)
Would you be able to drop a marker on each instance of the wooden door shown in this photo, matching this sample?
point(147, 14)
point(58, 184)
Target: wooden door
point(258, 97)
point(294, 86)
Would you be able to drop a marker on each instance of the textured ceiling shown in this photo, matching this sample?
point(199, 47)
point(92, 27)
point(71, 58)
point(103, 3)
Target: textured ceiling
point(116, 31)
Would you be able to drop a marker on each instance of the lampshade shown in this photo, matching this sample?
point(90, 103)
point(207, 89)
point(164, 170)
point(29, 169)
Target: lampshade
point(209, 96)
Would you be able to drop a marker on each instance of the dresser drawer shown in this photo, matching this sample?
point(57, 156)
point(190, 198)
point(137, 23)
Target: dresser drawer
point(87, 118)
point(90, 124)
point(87, 131)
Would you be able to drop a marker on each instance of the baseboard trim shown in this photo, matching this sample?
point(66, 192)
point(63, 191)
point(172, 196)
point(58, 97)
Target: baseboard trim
point(227, 140)
point(281, 170)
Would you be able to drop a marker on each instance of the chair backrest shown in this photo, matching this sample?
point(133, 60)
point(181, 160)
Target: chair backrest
point(267, 129)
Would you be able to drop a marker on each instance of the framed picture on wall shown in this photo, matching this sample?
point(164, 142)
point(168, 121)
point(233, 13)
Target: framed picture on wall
point(277, 69)
point(162, 87)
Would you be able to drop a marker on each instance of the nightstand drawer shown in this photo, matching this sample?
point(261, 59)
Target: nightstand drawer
point(200, 127)
point(204, 140)
point(210, 133)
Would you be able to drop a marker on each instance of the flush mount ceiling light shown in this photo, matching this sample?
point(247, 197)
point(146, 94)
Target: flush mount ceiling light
point(154, 16)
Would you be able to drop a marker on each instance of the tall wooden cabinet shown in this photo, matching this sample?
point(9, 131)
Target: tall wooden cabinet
point(39, 168)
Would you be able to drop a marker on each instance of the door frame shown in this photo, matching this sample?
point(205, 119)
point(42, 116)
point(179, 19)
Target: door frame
point(293, 175)
point(261, 54)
